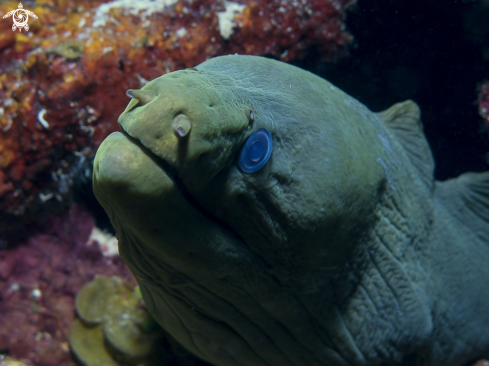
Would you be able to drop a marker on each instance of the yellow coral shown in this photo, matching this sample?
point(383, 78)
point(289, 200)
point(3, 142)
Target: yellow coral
point(112, 326)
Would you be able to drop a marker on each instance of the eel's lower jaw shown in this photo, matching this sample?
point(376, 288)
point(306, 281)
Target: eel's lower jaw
point(187, 189)
point(151, 211)
point(125, 171)
point(170, 171)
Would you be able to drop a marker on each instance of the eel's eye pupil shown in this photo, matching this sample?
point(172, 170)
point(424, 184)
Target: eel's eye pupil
point(256, 151)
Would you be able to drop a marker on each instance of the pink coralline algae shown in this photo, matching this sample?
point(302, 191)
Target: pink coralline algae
point(62, 83)
point(483, 102)
point(38, 283)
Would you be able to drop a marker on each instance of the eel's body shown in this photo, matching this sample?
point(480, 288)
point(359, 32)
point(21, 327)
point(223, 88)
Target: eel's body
point(340, 250)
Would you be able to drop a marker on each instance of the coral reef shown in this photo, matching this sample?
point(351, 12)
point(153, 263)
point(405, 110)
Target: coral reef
point(483, 102)
point(9, 361)
point(61, 83)
point(109, 310)
point(38, 283)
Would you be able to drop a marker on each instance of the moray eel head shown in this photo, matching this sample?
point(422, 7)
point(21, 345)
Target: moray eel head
point(233, 261)
point(184, 144)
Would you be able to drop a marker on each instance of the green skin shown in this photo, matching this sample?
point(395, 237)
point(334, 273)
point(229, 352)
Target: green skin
point(341, 250)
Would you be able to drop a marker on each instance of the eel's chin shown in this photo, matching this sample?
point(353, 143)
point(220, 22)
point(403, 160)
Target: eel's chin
point(128, 180)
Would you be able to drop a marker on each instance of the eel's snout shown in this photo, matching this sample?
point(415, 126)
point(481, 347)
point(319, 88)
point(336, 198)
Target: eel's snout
point(142, 96)
point(187, 126)
point(181, 123)
point(165, 122)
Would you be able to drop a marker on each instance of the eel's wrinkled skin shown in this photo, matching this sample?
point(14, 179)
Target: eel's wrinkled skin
point(341, 250)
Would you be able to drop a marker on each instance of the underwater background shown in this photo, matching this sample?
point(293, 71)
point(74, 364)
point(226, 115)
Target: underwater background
point(66, 297)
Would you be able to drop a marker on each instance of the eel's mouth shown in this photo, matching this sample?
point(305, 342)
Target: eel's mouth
point(146, 194)
point(174, 175)
point(170, 171)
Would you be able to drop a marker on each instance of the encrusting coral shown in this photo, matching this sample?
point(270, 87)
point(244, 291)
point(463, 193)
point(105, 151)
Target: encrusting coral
point(39, 280)
point(113, 328)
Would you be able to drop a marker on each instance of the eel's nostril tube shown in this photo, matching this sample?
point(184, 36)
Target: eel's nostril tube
point(144, 96)
point(181, 126)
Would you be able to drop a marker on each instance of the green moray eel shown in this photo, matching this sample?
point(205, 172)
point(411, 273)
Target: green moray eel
point(341, 250)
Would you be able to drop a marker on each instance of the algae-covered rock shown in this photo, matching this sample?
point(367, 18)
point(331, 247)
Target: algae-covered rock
point(91, 302)
point(87, 343)
point(70, 50)
point(113, 328)
point(9, 361)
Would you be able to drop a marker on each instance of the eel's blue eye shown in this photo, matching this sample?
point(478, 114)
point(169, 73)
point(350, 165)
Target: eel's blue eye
point(256, 151)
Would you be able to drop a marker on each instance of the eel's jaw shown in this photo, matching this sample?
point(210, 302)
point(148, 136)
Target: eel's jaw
point(126, 174)
point(144, 202)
